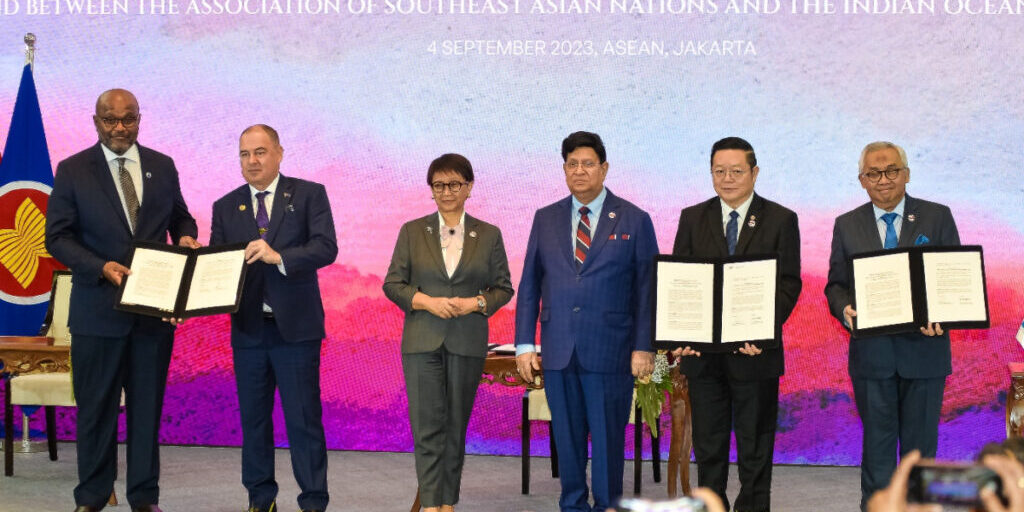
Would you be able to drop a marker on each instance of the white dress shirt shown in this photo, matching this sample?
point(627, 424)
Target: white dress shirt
point(742, 210)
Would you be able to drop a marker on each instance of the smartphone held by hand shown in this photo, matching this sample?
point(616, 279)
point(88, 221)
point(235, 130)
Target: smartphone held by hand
point(950, 483)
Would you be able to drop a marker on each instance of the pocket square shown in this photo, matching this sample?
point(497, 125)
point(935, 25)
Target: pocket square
point(921, 240)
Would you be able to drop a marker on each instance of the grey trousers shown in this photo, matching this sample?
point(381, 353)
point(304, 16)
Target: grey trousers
point(441, 387)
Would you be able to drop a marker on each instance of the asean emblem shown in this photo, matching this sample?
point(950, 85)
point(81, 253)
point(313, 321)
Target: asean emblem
point(26, 268)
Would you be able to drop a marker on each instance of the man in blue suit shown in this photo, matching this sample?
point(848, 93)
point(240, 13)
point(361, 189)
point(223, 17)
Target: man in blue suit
point(104, 199)
point(898, 380)
point(587, 277)
point(279, 327)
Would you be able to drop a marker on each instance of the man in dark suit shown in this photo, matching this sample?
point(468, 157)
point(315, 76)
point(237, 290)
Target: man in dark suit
point(279, 327)
point(587, 277)
point(898, 380)
point(738, 391)
point(104, 199)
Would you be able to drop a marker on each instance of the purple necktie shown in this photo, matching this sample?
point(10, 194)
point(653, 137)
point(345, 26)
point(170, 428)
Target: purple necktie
point(262, 219)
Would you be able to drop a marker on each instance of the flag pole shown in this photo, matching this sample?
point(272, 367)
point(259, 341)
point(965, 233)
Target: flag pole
point(30, 50)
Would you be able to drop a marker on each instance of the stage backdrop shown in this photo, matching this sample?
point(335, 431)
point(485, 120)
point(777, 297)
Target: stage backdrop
point(366, 92)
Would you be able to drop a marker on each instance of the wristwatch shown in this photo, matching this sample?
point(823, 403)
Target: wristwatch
point(481, 303)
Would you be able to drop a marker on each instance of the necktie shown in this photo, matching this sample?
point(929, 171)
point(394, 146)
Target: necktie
point(262, 219)
point(131, 199)
point(890, 231)
point(730, 231)
point(582, 236)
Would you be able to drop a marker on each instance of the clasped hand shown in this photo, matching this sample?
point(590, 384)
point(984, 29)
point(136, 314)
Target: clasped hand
point(450, 307)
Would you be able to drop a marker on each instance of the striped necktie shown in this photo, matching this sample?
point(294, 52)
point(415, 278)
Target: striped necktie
point(582, 236)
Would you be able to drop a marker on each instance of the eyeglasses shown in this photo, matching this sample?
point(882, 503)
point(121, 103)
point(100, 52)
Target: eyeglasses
point(719, 174)
point(453, 186)
point(587, 165)
point(127, 122)
point(890, 173)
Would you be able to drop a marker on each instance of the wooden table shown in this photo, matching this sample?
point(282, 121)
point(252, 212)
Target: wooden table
point(27, 354)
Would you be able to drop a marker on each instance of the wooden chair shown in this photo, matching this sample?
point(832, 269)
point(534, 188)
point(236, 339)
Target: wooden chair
point(48, 389)
point(535, 408)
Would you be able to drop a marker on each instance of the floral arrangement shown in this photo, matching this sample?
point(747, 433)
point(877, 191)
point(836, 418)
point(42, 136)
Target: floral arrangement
point(650, 390)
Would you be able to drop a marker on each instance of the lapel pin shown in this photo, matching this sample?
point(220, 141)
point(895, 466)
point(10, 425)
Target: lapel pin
point(287, 194)
point(149, 175)
point(430, 229)
point(625, 236)
point(911, 217)
point(611, 237)
point(241, 207)
point(611, 215)
point(290, 208)
point(472, 234)
point(752, 223)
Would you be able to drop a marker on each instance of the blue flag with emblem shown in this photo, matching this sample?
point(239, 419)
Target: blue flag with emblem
point(26, 178)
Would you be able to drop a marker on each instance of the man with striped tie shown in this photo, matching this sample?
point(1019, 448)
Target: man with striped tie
point(898, 380)
point(587, 278)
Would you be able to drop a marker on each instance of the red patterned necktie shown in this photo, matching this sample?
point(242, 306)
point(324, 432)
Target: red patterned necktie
point(582, 236)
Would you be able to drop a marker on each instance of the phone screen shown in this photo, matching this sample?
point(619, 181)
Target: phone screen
point(949, 484)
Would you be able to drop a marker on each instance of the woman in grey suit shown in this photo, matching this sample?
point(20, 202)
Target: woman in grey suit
point(449, 273)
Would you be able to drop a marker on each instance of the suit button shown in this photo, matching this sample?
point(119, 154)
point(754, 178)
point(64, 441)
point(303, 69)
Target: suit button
point(576, 309)
point(578, 279)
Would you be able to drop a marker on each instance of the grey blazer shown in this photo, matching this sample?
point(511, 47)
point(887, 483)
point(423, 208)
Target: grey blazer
point(417, 265)
point(912, 355)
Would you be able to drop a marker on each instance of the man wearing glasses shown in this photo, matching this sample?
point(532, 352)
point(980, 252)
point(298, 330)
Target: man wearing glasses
point(104, 199)
point(587, 277)
point(898, 380)
point(738, 391)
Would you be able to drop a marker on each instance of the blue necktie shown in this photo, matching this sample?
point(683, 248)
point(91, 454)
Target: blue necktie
point(730, 231)
point(891, 240)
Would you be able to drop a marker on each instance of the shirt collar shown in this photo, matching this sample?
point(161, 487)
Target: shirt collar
point(898, 210)
point(272, 188)
point(595, 206)
point(132, 155)
point(741, 209)
point(462, 220)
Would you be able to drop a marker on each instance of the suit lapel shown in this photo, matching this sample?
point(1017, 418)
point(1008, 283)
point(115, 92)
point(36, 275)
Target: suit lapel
point(567, 245)
point(870, 226)
point(103, 176)
point(469, 243)
point(909, 228)
point(750, 224)
point(432, 239)
point(605, 226)
point(281, 206)
point(246, 216)
point(713, 225)
point(147, 191)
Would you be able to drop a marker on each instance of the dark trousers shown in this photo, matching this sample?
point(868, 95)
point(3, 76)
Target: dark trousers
point(584, 402)
point(102, 367)
point(750, 408)
point(294, 369)
point(897, 414)
point(441, 388)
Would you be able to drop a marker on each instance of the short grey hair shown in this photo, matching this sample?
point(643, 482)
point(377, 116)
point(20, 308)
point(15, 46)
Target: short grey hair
point(880, 145)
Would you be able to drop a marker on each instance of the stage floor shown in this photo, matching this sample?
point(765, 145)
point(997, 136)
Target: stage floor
point(208, 480)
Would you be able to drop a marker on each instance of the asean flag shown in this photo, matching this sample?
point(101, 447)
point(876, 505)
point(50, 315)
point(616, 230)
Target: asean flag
point(26, 178)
